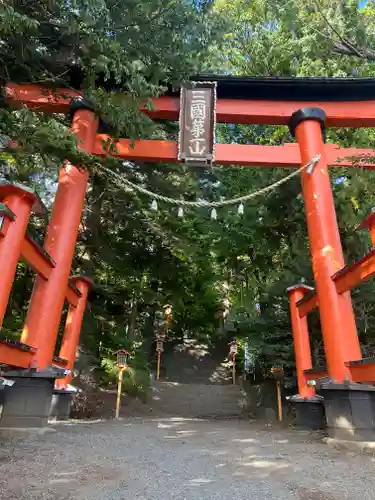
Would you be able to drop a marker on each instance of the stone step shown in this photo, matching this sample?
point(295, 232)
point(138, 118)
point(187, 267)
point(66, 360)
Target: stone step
point(197, 400)
point(193, 362)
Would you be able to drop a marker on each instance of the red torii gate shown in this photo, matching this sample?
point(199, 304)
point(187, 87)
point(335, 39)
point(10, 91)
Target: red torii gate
point(307, 120)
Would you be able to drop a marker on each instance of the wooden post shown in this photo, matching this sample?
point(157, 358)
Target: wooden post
point(159, 350)
point(278, 374)
point(158, 366)
point(279, 401)
point(119, 390)
point(233, 349)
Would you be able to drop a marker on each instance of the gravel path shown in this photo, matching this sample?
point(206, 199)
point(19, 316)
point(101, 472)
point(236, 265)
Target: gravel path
point(179, 459)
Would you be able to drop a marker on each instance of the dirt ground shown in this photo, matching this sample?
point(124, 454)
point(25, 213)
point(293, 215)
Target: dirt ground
point(165, 459)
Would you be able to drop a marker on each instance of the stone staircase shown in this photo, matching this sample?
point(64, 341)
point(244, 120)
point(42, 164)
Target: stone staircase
point(194, 362)
point(197, 400)
point(196, 382)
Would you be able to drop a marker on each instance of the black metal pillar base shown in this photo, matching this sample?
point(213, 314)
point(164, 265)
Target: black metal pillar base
point(60, 405)
point(27, 402)
point(309, 412)
point(350, 411)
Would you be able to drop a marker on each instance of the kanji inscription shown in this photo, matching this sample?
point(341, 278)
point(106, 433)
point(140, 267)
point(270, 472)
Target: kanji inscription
point(197, 123)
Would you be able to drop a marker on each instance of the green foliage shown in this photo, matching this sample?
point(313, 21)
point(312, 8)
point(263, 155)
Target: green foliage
point(268, 250)
point(136, 378)
point(140, 260)
point(127, 45)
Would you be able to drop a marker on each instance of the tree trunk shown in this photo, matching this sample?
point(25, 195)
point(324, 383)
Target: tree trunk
point(132, 320)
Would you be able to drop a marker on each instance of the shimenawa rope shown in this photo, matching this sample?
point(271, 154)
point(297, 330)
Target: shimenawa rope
point(123, 182)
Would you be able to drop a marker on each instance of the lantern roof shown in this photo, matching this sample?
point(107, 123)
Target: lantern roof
point(122, 351)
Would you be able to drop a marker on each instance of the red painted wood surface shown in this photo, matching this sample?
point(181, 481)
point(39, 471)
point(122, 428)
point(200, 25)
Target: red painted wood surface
point(15, 356)
point(307, 305)
point(287, 156)
point(72, 329)
point(315, 375)
point(346, 279)
point(339, 114)
point(34, 256)
point(351, 276)
point(358, 373)
point(20, 203)
point(336, 311)
point(48, 297)
point(302, 349)
point(369, 223)
point(362, 372)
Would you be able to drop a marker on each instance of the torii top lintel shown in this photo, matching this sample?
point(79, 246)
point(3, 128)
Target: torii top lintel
point(347, 102)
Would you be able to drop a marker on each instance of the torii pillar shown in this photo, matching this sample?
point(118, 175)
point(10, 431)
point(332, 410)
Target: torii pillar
point(72, 329)
point(47, 302)
point(62, 395)
point(308, 406)
point(302, 349)
point(17, 202)
point(339, 331)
